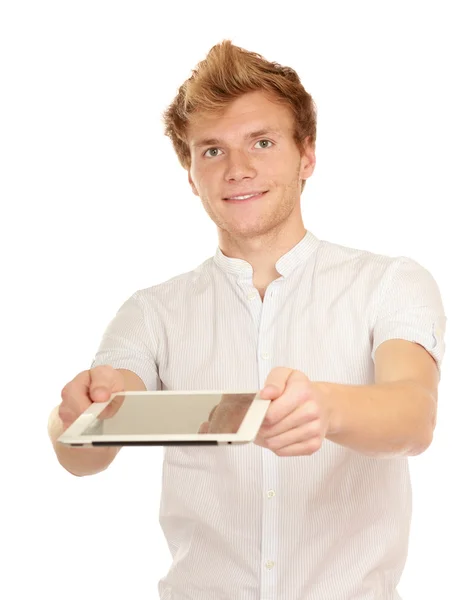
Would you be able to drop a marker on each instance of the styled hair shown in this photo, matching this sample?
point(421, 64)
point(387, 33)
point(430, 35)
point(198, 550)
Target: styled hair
point(224, 75)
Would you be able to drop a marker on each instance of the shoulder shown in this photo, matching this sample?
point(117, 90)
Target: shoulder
point(370, 268)
point(335, 255)
point(172, 290)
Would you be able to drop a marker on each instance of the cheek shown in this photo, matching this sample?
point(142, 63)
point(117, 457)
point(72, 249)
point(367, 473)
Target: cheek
point(206, 180)
point(279, 168)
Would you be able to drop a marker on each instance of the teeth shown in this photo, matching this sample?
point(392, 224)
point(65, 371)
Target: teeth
point(243, 197)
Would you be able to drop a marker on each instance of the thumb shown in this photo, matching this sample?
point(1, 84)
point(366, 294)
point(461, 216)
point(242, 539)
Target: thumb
point(270, 391)
point(100, 394)
point(104, 381)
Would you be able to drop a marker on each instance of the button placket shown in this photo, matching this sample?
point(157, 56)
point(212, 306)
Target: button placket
point(269, 546)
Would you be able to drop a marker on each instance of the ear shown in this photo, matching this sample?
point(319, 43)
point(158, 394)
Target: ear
point(308, 160)
point(192, 185)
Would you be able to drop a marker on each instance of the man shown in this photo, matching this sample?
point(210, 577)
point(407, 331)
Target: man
point(347, 344)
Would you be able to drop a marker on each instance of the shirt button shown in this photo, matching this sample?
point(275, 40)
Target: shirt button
point(251, 296)
point(271, 493)
point(265, 355)
point(269, 564)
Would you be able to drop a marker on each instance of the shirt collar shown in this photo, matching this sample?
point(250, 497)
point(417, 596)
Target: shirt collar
point(285, 264)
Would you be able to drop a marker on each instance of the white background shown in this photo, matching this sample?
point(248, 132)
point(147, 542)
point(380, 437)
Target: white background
point(95, 206)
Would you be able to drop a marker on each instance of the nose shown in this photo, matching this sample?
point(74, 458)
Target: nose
point(239, 167)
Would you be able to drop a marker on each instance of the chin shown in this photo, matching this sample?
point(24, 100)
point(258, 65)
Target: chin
point(253, 230)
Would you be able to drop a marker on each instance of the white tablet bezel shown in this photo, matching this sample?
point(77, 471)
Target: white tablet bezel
point(250, 426)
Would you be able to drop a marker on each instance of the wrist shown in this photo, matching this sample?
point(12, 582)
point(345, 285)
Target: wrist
point(329, 401)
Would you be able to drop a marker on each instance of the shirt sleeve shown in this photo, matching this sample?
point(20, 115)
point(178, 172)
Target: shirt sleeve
point(411, 309)
point(127, 343)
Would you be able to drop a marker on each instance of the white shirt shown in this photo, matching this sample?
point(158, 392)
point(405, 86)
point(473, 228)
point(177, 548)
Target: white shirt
point(241, 522)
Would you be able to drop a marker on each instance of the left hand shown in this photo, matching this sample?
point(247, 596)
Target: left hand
point(298, 419)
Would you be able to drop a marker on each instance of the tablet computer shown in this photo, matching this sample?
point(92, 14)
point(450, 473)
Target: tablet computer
point(168, 418)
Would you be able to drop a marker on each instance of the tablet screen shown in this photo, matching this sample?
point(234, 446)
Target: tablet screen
point(172, 414)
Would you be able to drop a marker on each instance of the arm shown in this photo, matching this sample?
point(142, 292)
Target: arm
point(87, 461)
point(394, 417)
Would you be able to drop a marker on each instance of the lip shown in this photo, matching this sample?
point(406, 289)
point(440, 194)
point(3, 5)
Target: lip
point(255, 196)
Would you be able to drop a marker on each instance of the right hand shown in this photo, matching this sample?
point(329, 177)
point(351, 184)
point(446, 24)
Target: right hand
point(93, 385)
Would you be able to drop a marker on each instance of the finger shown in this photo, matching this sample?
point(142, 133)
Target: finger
point(105, 380)
point(112, 408)
point(295, 395)
point(276, 382)
point(67, 415)
point(75, 400)
point(301, 449)
point(299, 435)
point(203, 427)
point(301, 415)
point(271, 392)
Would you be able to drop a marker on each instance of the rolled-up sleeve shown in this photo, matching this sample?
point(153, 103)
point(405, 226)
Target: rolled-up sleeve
point(411, 308)
point(127, 343)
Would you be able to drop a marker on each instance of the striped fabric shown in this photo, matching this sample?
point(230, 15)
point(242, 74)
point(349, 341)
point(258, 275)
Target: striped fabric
point(242, 523)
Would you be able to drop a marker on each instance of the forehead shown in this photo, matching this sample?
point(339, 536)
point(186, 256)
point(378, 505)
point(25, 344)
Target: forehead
point(252, 111)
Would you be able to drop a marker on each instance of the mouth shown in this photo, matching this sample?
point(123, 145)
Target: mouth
point(244, 198)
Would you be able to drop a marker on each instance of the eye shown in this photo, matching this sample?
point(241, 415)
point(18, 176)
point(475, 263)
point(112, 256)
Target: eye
point(211, 149)
point(265, 141)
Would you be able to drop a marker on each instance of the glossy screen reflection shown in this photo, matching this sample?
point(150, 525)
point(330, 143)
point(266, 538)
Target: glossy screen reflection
point(172, 414)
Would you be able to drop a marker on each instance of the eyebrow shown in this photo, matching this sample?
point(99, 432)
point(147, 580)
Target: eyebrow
point(253, 134)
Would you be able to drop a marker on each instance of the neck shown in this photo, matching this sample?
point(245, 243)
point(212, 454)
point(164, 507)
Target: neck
point(262, 252)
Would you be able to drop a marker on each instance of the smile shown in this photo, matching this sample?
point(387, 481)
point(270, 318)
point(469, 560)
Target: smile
point(245, 198)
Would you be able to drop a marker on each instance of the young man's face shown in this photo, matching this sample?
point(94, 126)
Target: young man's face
point(248, 149)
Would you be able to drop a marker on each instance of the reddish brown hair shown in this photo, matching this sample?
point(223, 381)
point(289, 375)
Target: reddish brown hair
point(227, 73)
